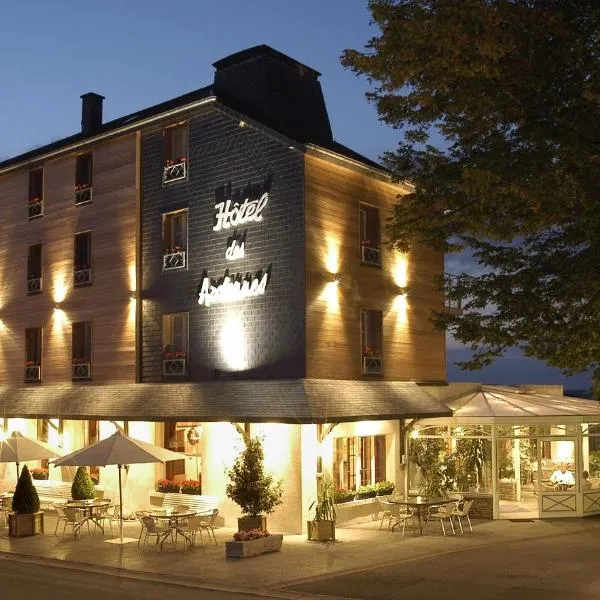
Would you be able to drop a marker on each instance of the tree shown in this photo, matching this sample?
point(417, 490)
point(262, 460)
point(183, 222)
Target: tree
point(254, 491)
point(510, 89)
point(25, 499)
point(82, 488)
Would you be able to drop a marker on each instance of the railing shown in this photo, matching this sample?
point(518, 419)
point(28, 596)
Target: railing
point(35, 208)
point(370, 255)
point(174, 367)
point(33, 373)
point(372, 365)
point(34, 285)
point(82, 277)
point(175, 171)
point(81, 370)
point(174, 260)
point(83, 195)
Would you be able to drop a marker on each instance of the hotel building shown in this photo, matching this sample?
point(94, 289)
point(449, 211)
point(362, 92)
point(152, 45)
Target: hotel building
point(211, 265)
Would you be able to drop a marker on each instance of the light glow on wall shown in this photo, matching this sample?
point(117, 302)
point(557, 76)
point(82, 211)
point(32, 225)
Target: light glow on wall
point(60, 286)
point(332, 254)
point(401, 270)
point(132, 279)
point(233, 344)
point(331, 296)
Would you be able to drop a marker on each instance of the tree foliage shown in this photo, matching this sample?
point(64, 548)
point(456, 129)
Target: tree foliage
point(499, 103)
point(25, 499)
point(253, 490)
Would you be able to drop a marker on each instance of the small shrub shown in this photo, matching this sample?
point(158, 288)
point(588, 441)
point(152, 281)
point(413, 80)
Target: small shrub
point(167, 485)
point(342, 496)
point(82, 488)
point(25, 500)
point(367, 491)
point(384, 488)
point(251, 534)
point(191, 486)
point(39, 473)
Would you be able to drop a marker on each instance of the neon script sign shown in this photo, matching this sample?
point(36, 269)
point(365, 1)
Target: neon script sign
point(232, 289)
point(233, 214)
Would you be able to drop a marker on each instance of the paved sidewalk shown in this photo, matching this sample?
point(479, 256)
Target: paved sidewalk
point(358, 548)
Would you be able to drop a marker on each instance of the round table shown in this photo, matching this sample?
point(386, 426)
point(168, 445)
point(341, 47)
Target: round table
point(92, 511)
point(173, 519)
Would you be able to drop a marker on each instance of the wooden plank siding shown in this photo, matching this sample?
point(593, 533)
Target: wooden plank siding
point(412, 350)
point(111, 217)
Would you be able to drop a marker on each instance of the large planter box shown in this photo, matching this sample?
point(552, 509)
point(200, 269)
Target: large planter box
point(21, 525)
point(271, 543)
point(248, 523)
point(321, 531)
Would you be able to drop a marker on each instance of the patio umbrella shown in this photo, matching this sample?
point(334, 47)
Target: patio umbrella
point(118, 449)
point(17, 448)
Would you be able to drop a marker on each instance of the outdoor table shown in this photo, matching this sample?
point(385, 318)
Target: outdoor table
point(173, 518)
point(419, 505)
point(91, 511)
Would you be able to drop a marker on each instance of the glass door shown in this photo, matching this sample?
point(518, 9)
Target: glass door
point(556, 483)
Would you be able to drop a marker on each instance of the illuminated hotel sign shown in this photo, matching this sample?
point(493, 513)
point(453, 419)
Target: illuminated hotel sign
point(231, 288)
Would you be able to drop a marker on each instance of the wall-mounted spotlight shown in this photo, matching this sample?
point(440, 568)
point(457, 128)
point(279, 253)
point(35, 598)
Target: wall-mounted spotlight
point(57, 306)
point(403, 291)
point(335, 278)
point(133, 296)
point(243, 124)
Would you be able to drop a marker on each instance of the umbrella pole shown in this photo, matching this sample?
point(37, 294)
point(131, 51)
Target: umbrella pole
point(120, 504)
point(17, 471)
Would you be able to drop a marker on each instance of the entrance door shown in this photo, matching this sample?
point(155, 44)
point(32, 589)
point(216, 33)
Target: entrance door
point(517, 467)
point(556, 482)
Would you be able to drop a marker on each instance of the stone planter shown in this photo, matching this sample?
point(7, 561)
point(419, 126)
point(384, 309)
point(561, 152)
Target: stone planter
point(21, 525)
point(248, 523)
point(321, 531)
point(271, 543)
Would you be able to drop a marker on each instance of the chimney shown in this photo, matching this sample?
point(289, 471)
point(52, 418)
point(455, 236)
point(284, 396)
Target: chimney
point(276, 90)
point(91, 113)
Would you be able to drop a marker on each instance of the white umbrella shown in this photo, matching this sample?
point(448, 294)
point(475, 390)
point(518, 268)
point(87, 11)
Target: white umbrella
point(118, 449)
point(17, 448)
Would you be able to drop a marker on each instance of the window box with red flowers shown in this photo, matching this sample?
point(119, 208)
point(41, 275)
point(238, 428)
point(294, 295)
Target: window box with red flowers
point(35, 208)
point(174, 364)
point(168, 486)
point(83, 193)
point(81, 368)
point(372, 363)
point(33, 371)
point(370, 253)
point(191, 486)
point(175, 169)
point(39, 474)
point(174, 258)
point(82, 275)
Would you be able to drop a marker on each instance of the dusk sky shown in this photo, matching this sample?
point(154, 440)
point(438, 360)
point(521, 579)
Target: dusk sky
point(137, 54)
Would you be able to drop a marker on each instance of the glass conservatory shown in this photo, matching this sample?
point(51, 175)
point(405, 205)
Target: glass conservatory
point(522, 453)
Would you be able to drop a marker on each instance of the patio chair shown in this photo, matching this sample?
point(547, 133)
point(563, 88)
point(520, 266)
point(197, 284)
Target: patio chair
point(463, 512)
point(109, 514)
point(75, 519)
point(390, 511)
point(5, 508)
point(138, 515)
point(191, 528)
point(403, 517)
point(158, 530)
point(443, 512)
point(207, 523)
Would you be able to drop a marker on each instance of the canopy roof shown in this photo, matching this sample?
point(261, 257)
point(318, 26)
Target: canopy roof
point(493, 401)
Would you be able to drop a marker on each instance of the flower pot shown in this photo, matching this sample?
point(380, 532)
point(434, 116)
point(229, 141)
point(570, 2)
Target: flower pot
point(24, 524)
point(248, 523)
point(271, 543)
point(321, 531)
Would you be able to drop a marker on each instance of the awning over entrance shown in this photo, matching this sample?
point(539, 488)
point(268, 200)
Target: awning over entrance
point(285, 401)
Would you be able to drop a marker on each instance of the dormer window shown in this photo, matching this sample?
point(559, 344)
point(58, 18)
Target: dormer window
point(370, 236)
point(36, 193)
point(83, 179)
point(175, 151)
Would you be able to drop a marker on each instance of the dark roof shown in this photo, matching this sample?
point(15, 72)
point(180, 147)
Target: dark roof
point(263, 50)
point(285, 401)
point(349, 153)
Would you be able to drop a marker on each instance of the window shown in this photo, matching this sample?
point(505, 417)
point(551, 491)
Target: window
point(372, 343)
point(175, 152)
point(174, 240)
point(175, 440)
point(34, 269)
point(175, 344)
point(83, 178)
point(36, 193)
point(82, 262)
point(351, 471)
point(33, 355)
point(82, 350)
point(370, 236)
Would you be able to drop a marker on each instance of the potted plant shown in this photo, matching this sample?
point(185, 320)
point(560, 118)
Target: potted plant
point(342, 496)
point(26, 517)
point(322, 527)
point(252, 543)
point(384, 488)
point(39, 473)
point(166, 486)
point(366, 491)
point(191, 486)
point(254, 491)
point(82, 487)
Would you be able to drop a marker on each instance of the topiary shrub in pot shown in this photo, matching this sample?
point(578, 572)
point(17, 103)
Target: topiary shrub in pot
point(26, 517)
point(255, 492)
point(83, 487)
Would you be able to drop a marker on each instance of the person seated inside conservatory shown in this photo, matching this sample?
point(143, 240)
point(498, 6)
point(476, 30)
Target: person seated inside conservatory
point(562, 478)
point(586, 484)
